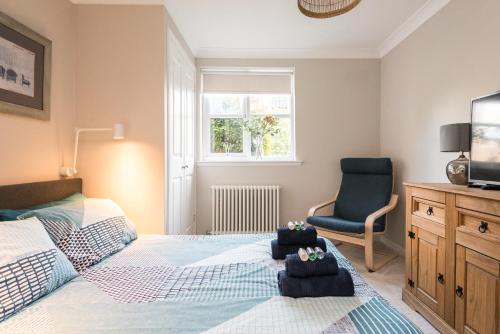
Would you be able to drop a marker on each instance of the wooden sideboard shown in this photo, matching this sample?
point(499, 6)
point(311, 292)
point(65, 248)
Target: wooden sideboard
point(453, 256)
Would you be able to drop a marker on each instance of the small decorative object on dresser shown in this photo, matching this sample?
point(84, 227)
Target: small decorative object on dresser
point(453, 256)
point(25, 60)
point(456, 138)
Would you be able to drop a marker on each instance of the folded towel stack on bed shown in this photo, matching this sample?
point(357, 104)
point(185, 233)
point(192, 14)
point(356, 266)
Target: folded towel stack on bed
point(320, 278)
point(289, 241)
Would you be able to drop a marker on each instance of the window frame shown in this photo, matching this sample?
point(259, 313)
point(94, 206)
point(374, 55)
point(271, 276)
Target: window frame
point(246, 155)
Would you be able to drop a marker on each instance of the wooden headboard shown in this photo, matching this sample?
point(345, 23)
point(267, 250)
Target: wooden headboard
point(25, 195)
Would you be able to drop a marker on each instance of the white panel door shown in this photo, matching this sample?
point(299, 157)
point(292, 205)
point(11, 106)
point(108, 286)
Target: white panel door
point(189, 150)
point(180, 153)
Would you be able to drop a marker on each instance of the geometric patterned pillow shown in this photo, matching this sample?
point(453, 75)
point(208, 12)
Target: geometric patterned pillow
point(31, 266)
point(86, 231)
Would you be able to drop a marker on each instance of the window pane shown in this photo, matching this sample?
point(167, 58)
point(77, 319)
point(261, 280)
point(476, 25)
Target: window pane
point(224, 104)
point(226, 135)
point(269, 104)
point(277, 145)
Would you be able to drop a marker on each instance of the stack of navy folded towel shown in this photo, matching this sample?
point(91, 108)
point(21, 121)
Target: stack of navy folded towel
point(319, 278)
point(290, 241)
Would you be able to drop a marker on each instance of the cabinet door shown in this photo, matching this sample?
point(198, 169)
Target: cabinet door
point(428, 269)
point(477, 300)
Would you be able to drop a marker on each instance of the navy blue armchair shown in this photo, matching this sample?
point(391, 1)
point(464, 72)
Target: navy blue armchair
point(360, 206)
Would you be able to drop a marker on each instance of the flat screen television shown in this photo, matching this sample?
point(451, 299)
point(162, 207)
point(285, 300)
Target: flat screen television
point(485, 140)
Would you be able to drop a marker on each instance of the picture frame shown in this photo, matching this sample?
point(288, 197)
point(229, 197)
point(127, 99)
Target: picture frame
point(25, 70)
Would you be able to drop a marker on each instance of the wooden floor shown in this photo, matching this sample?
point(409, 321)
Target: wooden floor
point(388, 281)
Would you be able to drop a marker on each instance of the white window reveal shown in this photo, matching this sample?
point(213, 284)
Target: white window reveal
point(248, 115)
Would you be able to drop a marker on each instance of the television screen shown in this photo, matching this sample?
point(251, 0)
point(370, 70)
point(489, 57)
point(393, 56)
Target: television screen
point(485, 140)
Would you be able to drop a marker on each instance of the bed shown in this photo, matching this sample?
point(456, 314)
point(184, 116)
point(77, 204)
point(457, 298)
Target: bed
point(194, 284)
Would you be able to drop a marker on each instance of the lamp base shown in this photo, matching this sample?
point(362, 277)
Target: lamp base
point(458, 171)
point(67, 171)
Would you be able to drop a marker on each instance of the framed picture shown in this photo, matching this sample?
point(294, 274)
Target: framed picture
point(25, 61)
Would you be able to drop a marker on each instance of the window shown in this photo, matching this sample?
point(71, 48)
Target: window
point(248, 116)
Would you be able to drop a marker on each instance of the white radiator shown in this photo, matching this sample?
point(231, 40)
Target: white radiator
point(245, 209)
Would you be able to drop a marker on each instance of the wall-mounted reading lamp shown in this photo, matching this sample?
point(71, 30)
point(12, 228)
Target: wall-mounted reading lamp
point(118, 133)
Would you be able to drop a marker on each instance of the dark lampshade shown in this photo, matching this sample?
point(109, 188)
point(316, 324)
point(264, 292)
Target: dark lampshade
point(455, 137)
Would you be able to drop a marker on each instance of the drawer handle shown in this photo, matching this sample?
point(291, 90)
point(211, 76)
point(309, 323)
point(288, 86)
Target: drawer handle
point(430, 211)
point(483, 227)
point(441, 278)
point(459, 291)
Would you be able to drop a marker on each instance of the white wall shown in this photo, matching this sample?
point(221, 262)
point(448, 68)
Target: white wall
point(337, 115)
point(428, 81)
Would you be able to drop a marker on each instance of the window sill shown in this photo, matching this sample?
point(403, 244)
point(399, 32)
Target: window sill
point(262, 163)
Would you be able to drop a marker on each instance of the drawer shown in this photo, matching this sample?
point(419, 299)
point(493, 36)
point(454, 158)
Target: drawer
point(484, 226)
point(480, 232)
point(478, 204)
point(428, 194)
point(428, 210)
point(428, 225)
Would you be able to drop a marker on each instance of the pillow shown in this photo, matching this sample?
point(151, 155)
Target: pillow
point(86, 231)
point(31, 266)
point(12, 214)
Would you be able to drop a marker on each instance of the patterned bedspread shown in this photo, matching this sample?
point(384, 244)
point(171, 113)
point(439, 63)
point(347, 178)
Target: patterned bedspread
point(207, 284)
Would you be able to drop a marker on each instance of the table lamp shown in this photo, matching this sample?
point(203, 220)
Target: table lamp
point(456, 138)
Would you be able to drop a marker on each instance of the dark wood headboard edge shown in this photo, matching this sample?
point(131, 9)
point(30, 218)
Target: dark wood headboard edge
point(25, 195)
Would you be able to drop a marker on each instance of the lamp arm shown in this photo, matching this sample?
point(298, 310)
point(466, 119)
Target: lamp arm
point(77, 138)
point(75, 156)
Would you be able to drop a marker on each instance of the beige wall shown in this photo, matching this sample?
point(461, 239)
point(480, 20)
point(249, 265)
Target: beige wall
point(30, 149)
point(337, 115)
point(121, 77)
point(109, 66)
point(428, 81)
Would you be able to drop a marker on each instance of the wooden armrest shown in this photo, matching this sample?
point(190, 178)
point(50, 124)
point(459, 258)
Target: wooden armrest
point(312, 211)
point(370, 220)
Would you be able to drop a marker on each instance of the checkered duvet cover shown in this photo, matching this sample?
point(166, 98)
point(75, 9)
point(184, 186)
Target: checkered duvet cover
point(201, 284)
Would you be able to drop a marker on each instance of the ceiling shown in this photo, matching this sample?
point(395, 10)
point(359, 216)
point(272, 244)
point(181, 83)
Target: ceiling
point(276, 28)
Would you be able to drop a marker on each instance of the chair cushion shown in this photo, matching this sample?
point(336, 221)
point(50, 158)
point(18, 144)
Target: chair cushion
point(366, 187)
point(342, 225)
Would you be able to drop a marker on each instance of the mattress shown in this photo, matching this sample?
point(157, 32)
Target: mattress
point(201, 284)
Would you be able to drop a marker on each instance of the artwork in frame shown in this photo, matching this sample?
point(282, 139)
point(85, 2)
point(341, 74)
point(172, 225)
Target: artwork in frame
point(25, 68)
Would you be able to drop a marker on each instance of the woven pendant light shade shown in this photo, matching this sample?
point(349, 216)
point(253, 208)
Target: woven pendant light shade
point(326, 8)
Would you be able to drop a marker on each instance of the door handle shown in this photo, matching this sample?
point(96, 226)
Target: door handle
point(184, 166)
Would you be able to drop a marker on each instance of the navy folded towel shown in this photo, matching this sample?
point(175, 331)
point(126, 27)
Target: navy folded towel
point(293, 237)
point(316, 286)
point(295, 267)
point(279, 252)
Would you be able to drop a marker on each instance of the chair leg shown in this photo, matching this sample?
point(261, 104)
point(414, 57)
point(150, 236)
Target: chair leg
point(369, 252)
